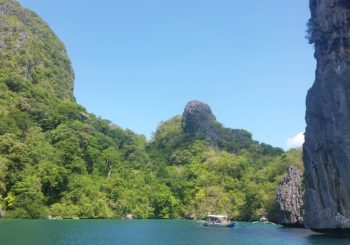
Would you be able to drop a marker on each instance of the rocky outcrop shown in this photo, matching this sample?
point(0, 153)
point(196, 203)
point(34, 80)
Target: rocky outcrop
point(327, 137)
point(2, 213)
point(199, 120)
point(289, 199)
point(29, 50)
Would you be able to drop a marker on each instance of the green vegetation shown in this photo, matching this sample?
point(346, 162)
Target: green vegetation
point(57, 159)
point(205, 179)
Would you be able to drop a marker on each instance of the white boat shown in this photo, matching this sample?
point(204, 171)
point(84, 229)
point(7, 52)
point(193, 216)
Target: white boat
point(264, 221)
point(218, 221)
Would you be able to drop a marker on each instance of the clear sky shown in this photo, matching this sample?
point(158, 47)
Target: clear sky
point(139, 62)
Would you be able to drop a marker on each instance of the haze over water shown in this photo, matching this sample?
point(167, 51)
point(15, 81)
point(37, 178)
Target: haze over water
point(30, 232)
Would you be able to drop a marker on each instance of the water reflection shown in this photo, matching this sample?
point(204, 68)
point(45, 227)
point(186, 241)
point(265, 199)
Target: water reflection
point(308, 237)
point(321, 239)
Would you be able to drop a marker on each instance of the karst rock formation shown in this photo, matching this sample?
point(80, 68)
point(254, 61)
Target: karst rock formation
point(327, 136)
point(289, 199)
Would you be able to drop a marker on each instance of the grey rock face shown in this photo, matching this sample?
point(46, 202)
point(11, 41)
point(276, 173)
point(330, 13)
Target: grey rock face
point(327, 137)
point(198, 119)
point(199, 122)
point(289, 199)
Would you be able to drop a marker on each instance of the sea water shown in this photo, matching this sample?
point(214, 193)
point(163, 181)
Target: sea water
point(153, 232)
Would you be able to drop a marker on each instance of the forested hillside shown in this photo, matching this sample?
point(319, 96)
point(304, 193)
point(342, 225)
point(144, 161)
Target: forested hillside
point(57, 159)
point(232, 174)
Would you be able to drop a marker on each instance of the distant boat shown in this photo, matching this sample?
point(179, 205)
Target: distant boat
point(129, 217)
point(215, 220)
point(52, 217)
point(264, 221)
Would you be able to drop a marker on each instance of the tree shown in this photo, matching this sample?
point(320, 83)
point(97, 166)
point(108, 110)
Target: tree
point(28, 199)
point(109, 159)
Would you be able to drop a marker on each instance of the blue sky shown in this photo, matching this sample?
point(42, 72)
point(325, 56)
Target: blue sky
point(138, 62)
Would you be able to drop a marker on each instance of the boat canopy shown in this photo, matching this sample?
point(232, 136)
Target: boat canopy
point(217, 216)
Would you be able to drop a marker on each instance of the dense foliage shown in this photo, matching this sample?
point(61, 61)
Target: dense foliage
point(209, 180)
point(57, 159)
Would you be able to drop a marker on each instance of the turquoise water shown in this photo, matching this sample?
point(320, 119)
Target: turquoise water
point(85, 232)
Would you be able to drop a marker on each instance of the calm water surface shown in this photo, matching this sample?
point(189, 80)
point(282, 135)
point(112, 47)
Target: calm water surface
point(85, 232)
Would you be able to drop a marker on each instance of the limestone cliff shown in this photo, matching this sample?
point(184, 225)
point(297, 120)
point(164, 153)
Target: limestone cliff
point(199, 120)
point(32, 58)
point(289, 199)
point(327, 137)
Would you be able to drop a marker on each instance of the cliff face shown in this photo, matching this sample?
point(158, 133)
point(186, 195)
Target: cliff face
point(327, 137)
point(199, 120)
point(289, 199)
point(31, 56)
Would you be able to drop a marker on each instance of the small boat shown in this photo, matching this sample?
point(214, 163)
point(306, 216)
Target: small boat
point(264, 221)
point(129, 217)
point(218, 221)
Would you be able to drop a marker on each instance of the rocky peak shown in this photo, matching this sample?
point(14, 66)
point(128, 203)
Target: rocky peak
point(199, 120)
point(197, 117)
point(327, 137)
point(289, 199)
point(28, 50)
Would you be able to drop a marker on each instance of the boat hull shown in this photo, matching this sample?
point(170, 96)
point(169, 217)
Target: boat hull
point(228, 225)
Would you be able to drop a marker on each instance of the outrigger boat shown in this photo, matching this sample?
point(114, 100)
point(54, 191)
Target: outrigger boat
point(218, 221)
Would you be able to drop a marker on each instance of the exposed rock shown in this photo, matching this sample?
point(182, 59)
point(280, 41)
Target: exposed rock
point(327, 137)
point(198, 119)
point(199, 122)
point(289, 199)
point(2, 213)
point(25, 37)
